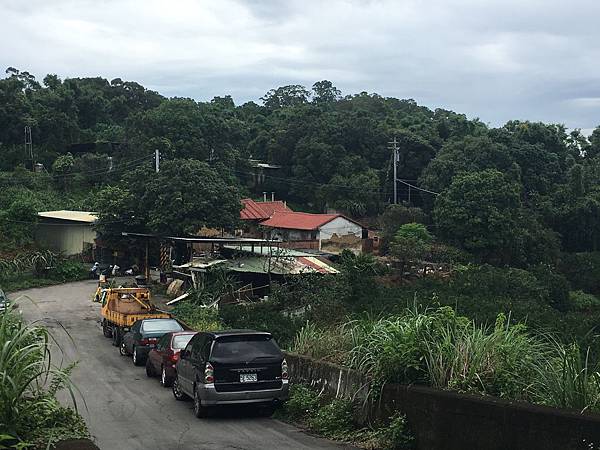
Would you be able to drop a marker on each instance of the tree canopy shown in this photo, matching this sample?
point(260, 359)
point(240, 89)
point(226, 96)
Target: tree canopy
point(514, 194)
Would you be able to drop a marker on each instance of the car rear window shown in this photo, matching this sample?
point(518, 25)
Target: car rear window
point(150, 326)
point(181, 341)
point(246, 348)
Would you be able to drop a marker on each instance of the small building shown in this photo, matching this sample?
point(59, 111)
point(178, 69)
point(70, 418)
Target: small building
point(67, 232)
point(259, 172)
point(305, 230)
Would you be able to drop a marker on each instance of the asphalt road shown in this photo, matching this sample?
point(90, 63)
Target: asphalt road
point(126, 410)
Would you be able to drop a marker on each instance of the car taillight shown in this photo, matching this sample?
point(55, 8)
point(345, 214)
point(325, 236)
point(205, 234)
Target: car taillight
point(209, 372)
point(174, 357)
point(284, 370)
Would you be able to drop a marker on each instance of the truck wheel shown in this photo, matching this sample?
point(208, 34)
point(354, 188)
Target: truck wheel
point(106, 330)
point(116, 337)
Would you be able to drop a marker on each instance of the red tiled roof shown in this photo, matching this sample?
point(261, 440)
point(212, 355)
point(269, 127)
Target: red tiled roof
point(299, 220)
point(261, 210)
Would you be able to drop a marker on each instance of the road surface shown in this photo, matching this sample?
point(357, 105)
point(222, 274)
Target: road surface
point(125, 409)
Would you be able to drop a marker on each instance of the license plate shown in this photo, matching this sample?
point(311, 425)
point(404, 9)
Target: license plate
point(248, 378)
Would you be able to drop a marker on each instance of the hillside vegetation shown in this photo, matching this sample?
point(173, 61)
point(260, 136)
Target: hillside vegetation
point(512, 213)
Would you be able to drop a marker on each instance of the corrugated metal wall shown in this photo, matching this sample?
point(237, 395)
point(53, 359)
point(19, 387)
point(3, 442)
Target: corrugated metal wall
point(69, 239)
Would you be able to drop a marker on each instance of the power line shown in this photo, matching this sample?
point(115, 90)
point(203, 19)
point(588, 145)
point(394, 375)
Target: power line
point(417, 187)
point(122, 166)
point(315, 183)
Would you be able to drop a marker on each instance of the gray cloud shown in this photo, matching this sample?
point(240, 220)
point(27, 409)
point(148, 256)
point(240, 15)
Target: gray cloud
point(496, 60)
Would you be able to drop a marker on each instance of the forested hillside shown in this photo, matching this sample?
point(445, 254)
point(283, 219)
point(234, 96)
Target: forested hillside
point(515, 195)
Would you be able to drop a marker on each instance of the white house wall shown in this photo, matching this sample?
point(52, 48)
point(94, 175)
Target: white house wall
point(340, 226)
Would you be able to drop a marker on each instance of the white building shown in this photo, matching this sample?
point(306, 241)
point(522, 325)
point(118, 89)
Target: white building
point(68, 232)
point(306, 227)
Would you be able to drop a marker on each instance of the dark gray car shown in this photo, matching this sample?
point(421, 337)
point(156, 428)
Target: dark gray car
point(231, 367)
point(144, 335)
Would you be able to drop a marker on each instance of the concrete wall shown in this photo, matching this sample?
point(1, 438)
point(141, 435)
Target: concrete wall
point(443, 420)
point(67, 238)
point(340, 226)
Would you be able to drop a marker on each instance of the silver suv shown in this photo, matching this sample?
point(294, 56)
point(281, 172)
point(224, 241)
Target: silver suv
point(231, 367)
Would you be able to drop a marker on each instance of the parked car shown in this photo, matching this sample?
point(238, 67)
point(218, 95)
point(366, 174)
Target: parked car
point(4, 302)
point(231, 367)
point(144, 335)
point(161, 359)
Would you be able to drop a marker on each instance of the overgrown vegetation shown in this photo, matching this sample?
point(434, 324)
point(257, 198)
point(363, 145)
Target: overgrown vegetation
point(441, 349)
point(334, 418)
point(197, 317)
point(29, 381)
point(498, 253)
point(38, 268)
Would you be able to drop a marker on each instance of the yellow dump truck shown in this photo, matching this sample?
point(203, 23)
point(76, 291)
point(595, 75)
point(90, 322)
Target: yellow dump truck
point(121, 307)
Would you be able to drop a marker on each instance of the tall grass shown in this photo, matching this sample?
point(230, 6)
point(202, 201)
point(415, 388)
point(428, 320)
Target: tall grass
point(568, 380)
point(441, 349)
point(34, 261)
point(28, 378)
point(331, 344)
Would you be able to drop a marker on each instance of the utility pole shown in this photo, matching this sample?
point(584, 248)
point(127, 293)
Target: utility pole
point(29, 146)
point(394, 148)
point(157, 160)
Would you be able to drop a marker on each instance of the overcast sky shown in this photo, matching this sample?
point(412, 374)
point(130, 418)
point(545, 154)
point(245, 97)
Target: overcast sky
point(493, 59)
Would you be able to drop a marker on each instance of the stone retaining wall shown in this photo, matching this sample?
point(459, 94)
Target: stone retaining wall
point(443, 420)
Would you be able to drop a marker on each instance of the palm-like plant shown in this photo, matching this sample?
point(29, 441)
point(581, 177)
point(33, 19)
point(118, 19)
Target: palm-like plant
point(28, 377)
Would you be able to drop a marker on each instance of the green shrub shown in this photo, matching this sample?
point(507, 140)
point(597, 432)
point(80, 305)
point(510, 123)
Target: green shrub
point(197, 317)
point(582, 270)
point(262, 316)
point(557, 286)
point(333, 419)
point(396, 435)
point(303, 402)
point(582, 301)
point(68, 270)
point(53, 423)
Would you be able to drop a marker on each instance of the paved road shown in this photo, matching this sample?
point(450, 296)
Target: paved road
point(125, 409)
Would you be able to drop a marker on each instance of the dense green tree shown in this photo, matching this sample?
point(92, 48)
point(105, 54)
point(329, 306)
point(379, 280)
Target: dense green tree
point(480, 212)
point(286, 96)
point(17, 222)
point(325, 92)
point(179, 200)
point(332, 151)
point(411, 243)
point(393, 217)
